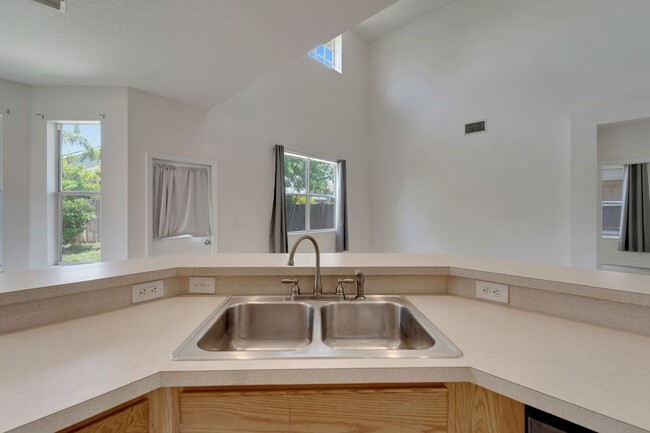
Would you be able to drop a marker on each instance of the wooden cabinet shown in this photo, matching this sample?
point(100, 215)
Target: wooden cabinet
point(366, 409)
point(130, 418)
point(473, 409)
point(430, 408)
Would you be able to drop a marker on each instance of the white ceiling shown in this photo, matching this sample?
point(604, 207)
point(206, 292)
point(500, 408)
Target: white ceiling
point(397, 16)
point(196, 51)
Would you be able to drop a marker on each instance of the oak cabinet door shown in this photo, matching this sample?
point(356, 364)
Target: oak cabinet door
point(131, 419)
point(356, 410)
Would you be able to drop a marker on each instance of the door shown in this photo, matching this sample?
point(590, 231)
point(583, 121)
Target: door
point(182, 192)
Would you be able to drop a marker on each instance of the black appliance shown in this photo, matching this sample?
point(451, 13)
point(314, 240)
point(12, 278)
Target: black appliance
point(542, 422)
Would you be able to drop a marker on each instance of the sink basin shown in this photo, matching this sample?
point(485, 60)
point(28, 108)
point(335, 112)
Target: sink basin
point(274, 327)
point(260, 326)
point(372, 326)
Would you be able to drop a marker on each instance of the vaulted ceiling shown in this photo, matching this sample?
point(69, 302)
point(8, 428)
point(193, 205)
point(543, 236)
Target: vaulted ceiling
point(196, 51)
point(397, 16)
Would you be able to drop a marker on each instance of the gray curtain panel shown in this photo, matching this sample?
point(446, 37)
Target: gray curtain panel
point(278, 240)
point(342, 208)
point(635, 216)
point(181, 197)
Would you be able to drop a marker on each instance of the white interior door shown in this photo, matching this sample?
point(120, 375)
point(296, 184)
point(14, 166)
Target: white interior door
point(180, 245)
point(185, 243)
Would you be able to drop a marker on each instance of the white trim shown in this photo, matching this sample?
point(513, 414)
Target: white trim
point(338, 54)
point(624, 161)
point(1, 195)
point(308, 156)
point(151, 156)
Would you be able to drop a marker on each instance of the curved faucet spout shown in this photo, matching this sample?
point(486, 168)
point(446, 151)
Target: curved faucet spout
point(318, 286)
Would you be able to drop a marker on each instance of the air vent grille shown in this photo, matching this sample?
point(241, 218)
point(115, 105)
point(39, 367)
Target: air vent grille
point(56, 4)
point(475, 127)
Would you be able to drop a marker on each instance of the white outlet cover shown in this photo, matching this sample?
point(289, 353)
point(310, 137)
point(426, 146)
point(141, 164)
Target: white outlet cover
point(202, 285)
point(492, 291)
point(147, 291)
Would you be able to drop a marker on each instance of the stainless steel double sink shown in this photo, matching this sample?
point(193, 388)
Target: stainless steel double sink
point(274, 327)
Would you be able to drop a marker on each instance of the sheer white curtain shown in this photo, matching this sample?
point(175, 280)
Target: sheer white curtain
point(181, 197)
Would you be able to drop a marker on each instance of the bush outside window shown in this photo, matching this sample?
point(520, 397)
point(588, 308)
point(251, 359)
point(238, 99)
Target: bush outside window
point(79, 192)
point(310, 187)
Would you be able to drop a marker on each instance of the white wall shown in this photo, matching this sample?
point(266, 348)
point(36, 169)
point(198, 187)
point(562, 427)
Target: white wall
point(624, 141)
point(525, 66)
point(16, 97)
point(157, 125)
point(58, 103)
point(307, 108)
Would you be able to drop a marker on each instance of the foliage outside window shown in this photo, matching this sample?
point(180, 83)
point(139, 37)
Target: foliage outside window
point(310, 187)
point(612, 203)
point(79, 192)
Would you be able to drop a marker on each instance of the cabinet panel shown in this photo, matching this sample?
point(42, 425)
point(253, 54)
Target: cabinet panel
point(473, 409)
point(367, 410)
point(131, 419)
point(242, 412)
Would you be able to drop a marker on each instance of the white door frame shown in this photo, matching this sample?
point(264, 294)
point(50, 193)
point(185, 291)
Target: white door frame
point(149, 195)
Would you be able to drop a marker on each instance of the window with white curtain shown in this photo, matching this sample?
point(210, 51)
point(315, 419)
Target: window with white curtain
point(181, 200)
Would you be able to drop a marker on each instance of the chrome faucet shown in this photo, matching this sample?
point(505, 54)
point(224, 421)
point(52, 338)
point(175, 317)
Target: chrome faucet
point(318, 285)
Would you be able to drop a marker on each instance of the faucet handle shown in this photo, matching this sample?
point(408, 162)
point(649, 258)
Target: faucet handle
point(295, 289)
point(361, 280)
point(289, 281)
point(339, 286)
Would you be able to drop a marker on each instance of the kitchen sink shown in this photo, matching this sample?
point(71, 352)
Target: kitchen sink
point(260, 326)
point(275, 327)
point(372, 326)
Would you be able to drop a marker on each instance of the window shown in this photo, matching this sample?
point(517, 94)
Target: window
point(310, 187)
point(612, 204)
point(330, 54)
point(79, 192)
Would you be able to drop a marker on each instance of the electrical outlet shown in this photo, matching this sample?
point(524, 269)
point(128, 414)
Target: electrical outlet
point(492, 291)
point(147, 291)
point(202, 285)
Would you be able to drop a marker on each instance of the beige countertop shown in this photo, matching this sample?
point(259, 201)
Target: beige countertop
point(61, 280)
point(56, 375)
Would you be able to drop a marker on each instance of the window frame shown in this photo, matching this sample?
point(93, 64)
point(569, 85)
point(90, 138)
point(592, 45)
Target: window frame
point(307, 194)
point(337, 54)
point(60, 194)
point(609, 203)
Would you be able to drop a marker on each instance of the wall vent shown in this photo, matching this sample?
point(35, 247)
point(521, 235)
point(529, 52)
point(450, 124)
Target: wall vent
point(56, 4)
point(475, 127)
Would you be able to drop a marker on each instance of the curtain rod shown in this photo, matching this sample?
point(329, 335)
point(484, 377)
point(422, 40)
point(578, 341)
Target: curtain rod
point(174, 164)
